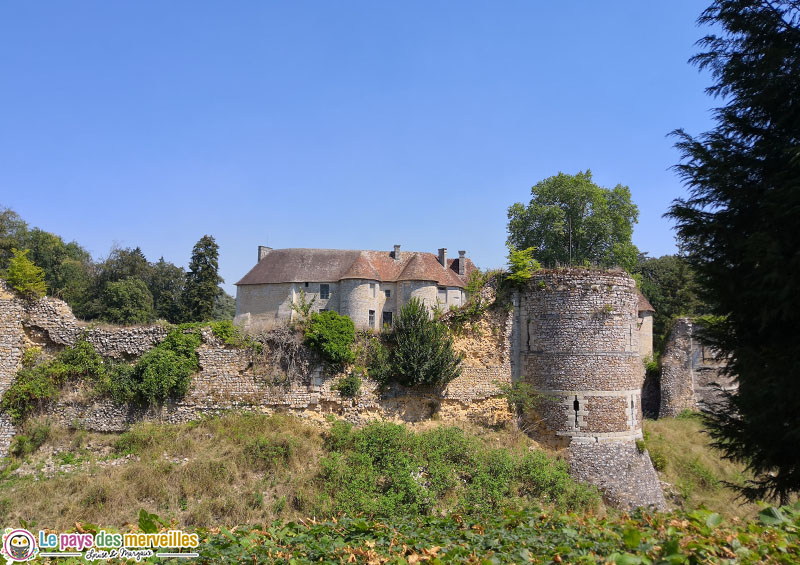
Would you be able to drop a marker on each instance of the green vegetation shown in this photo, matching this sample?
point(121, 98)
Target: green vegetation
point(350, 385)
point(572, 221)
point(250, 468)
point(24, 275)
point(229, 334)
point(36, 386)
point(111, 289)
point(516, 537)
point(332, 335)
point(669, 284)
point(421, 349)
point(163, 372)
point(738, 228)
point(521, 265)
point(127, 302)
point(680, 451)
point(202, 280)
point(385, 470)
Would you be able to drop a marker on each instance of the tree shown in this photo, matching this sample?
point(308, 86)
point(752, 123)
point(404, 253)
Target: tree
point(202, 280)
point(127, 302)
point(739, 226)
point(166, 285)
point(669, 284)
point(25, 276)
point(572, 221)
point(422, 352)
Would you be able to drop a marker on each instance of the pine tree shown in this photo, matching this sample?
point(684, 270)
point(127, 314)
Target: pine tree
point(739, 225)
point(202, 281)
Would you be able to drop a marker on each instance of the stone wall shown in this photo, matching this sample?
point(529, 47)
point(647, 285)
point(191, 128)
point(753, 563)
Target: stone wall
point(692, 375)
point(579, 348)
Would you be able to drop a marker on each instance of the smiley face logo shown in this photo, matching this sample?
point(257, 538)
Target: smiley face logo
point(19, 545)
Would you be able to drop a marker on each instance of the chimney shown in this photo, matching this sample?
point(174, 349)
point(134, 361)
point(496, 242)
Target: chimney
point(462, 263)
point(396, 252)
point(262, 251)
point(443, 256)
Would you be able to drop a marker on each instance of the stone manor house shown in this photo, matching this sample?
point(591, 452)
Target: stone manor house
point(368, 286)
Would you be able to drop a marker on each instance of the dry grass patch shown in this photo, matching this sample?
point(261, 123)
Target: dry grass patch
point(682, 455)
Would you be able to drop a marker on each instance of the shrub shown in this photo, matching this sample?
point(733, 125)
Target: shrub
point(521, 265)
point(270, 454)
point(378, 363)
point(229, 334)
point(24, 275)
point(350, 385)
point(163, 372)
point(35, 387)
point(26, 443)
point(422, 351)
point(332, 335)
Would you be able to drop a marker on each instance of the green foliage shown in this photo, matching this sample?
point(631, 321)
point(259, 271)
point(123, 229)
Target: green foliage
point(303, 306)
point(738, 228)
point(30, 357)
point(233, 336)
point(378, 363)
point(35, 387)
point(521, 265)
point(516, 537)
point(572, 221)
point(23, 444)
point(24, 275)
point(670, 285)
point(268, 453)
point(422, 349)
point(127, 302)
point(162, 373)
point(166, 283)
point(386, 470)
point(350, 385)
point(224, 307)
point(331, 335)
point(202, 281)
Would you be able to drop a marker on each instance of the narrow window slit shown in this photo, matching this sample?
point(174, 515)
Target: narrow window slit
point(576, 406)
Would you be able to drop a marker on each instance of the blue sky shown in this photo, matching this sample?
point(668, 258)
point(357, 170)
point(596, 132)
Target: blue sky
point(335, 124)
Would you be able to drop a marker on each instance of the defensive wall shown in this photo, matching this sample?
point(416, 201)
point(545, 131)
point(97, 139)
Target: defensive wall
point(572, 334)
point(693, 375)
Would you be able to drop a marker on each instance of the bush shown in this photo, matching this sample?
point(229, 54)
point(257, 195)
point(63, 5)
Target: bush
point(26, 443)
point(163, 372)
point(35, 387)
point(386, 470)
point(25, 276)
point(422, 352)
point(229, 334)
point(350, 385)
point(521, 265)
point(332, 335)
point(378, 363)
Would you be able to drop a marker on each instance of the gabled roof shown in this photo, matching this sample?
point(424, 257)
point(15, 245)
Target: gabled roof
point(331, 265)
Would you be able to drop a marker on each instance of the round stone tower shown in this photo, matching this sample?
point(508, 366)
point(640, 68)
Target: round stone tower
point(579, 349)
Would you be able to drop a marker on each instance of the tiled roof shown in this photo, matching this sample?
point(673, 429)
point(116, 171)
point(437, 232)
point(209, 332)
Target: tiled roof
point(330, 265)
point(644, 304)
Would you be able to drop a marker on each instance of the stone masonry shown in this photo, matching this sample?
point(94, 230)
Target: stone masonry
point(692, 375)
point(579, 349)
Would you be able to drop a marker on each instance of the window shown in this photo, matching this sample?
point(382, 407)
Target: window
point(388, 293)
point(442, 295)
point(387, 319)
point(324, 291)
point(306, 285)
point(371, 322)
point(372, 289)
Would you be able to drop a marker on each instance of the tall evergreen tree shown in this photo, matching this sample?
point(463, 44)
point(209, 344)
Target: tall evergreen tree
point(739, 225)
point(202, 280)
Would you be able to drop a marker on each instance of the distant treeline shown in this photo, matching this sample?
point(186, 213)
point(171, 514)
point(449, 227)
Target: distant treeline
point(124, 287)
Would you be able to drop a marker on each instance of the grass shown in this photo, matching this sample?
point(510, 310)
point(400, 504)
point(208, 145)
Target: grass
point(245, 468)
point(681, 453)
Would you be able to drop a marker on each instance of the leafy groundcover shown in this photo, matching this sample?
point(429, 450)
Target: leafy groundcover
point(515, 537)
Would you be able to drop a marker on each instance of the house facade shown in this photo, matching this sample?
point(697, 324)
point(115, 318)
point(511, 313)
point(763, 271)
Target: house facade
point(368, 286)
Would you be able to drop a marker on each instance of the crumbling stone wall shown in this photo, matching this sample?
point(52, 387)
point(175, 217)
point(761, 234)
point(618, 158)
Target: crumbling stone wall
point(579, 348)
point(692, 375)
point(229, 378)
